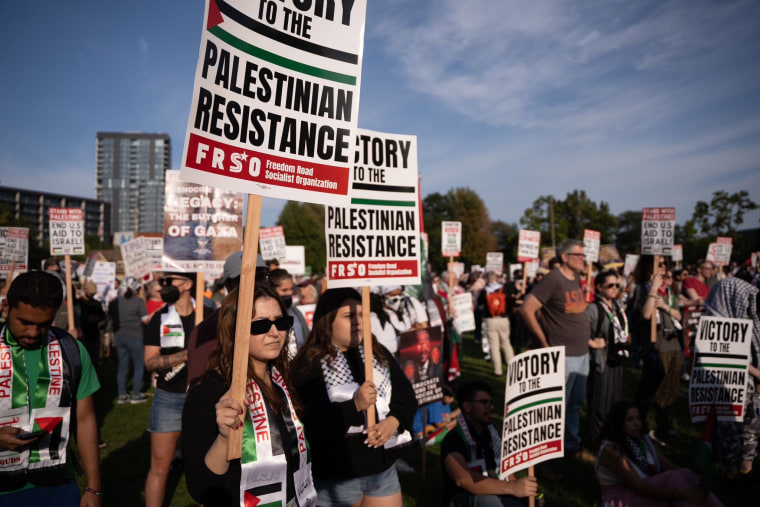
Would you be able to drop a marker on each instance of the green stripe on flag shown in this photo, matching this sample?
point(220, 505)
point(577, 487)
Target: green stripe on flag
point(529, 405)
point(718, 365)
point(271, 504)
point(279, 60)
point(380, 202)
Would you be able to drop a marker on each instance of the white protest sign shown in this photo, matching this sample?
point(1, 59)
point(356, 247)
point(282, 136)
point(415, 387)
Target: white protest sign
point(531, 268)
point(657, 228)
point(458, 269)
point(677, 253)
point(630, 263)
point(119, 238)
point(276, 99)
point(451, 239)
point(528, 243)
point(712, 253)
point(155, 248)
point(534, 408)
point(720, 372)
point(464, 318)
point(308, 313)
point(495, 262)
point(103, 274)
point(376, 240)
point(202, 226)
point(723, 248)
point(137, 263)
point(14, 247)
point(591, 241)
point(272, 242)
point(66, 231)
point(295, 260)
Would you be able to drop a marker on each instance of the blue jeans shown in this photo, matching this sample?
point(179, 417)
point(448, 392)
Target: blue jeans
point(576, 375)
point(128, 347)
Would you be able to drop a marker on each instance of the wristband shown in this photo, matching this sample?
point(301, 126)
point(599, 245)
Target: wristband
point(651, 296)
point(93, 491)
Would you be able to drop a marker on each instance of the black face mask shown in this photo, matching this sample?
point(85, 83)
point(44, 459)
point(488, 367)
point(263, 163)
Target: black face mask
point(169, 294)
point(287, 301)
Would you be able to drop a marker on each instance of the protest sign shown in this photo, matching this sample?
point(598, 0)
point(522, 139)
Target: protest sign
point(723, 249)
point(719, 376)
point(609, 257)
point(421, 357)
point(495, 262)
point(134, 253)
point(531, 268)
point(451, 239)
point(155, 248)
point(202, 226)
point(547, 254)
point(272, 243)
point(534, 409)
point(66, 231)
point(591, 241)
point(691, 316)
point(657, 226)
point(276, 99)
point(464, 318)
point(295, 260)
point(712, 253)
point(308, 313)
point(528, 243)
point(677, 253)
point(458, 269)
point(14, 249)
point(103, 274)
point(119, 238)
point(630, 263)
point(376, 240)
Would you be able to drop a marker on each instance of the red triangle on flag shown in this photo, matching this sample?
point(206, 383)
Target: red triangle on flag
point(249, 499)
point(214, 16)
point(166, 330)
point(48, 423)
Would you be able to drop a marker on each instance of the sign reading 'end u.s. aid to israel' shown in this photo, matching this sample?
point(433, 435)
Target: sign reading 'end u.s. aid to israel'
point(276, 99)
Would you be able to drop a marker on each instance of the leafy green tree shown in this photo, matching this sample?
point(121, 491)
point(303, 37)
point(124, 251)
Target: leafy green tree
point(506, 239)
point(724, 213)
point(628, 235)
point(436, 208)
point(304, 224)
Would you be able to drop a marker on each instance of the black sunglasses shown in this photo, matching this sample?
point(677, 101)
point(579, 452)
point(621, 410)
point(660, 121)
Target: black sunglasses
point(264, 325)
point(168, 280)
point(611, 285)
point(484, 401)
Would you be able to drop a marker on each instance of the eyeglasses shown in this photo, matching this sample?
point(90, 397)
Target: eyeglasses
point(263, 325)
point(577, 254)
point(168, 280)
point(611, 285)
point(484, 401)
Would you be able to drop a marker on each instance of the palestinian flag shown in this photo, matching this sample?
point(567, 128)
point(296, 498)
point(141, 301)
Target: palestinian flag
point(436, 438)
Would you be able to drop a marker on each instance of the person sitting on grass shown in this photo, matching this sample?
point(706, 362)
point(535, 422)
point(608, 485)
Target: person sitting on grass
point(470, 454)
point(632, 472)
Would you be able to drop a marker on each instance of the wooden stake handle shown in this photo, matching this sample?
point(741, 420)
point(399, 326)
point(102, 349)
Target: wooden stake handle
point(69, 293)
point(532, 498)
point(244, 315)
point(368, 353)
point(653, 319)
point(200, 285)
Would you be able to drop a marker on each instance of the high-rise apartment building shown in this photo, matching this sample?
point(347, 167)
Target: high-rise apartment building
point(130, 176)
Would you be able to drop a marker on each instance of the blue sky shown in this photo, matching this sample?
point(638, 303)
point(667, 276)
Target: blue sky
point(644, 103)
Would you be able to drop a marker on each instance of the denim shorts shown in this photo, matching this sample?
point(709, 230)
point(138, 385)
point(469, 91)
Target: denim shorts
point(166, 412)
point(350, 491)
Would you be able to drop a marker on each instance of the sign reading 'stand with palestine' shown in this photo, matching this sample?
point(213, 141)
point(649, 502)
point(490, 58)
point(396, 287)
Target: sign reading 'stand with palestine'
point(721, 368)
point(534, 409)
point(657, 228)
point(376, 240)
point(276, 99)
point(66, 231)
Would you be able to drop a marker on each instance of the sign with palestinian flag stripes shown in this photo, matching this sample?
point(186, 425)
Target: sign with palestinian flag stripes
point(276, 99)
point(534, 409)
point(376, 240)
point(66, 231)
point(720, 373)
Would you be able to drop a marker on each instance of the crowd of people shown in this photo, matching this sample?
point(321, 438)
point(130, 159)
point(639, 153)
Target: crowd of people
point(307, 437)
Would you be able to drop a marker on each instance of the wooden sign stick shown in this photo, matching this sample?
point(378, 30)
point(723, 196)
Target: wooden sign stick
point(452, 276)
point(368, 354)
point(525, 277)
point(653, 319)
point(244, 315)
point(532, 498)
point(588, 283)
point(200, 284)
point(69, 294)
point(9, 279)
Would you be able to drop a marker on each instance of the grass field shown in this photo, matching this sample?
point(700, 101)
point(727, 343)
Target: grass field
point(126, 459)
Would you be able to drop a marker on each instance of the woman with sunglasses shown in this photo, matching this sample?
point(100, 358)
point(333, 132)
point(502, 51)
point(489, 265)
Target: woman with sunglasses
point(353, 462)
point(275, 464)
point(609, 331)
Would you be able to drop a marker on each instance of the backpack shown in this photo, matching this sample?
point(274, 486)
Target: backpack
point(496, 302)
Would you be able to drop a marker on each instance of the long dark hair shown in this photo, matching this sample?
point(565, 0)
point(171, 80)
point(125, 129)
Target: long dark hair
point(222, 357)
point(613, 427)
point(319, 343)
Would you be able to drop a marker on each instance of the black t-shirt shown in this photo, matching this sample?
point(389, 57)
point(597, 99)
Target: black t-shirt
point(173, 380)
point(454, 443)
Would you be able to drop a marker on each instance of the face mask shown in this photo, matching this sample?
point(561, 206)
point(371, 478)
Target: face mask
point(394, 302)
point(169, 294)
point(287, 300)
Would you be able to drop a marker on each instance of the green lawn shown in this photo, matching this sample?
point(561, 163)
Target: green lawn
point(125, 461)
